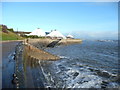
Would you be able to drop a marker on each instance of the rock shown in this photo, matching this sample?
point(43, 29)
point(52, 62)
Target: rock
point(14, 81)
point(106, 74)
point(105, 82)
point(14, 75)
point(76, 74)
point(14, 57)
point(91, 69)
point(103, 86)
point(17, 84)
point(16, 78)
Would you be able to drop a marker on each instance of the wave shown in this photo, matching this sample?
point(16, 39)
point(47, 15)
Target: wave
point(64, 57)
point(68, 73)
point(83, 76)
point(107, 40)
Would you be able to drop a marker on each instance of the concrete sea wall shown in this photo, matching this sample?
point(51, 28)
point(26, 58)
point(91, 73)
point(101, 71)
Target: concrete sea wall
point(38, 54)
point(34, 48)
point(41, 43)
point(27, 55)
point(69, 41)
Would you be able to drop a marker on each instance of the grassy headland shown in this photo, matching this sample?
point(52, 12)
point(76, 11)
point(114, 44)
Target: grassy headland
point(9, 36)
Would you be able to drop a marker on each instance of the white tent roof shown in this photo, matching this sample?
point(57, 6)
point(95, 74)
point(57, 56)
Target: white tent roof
point(38, 32)
point(70, 36)
point(56, 33)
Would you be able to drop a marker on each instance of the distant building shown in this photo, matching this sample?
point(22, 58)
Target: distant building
point(47, 33)
point(70, 36)
point(21, 33)
point(37, 32)
point(56, 34)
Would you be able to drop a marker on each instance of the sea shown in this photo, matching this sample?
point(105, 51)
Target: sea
point(90, 64)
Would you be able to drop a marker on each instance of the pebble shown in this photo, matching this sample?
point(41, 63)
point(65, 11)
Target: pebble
point(105, 82)
point(17, 84)
point(14, 81)
point(103, 86)
point(14, 75)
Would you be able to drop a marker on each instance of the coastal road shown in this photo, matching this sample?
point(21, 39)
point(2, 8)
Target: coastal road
point(8, 49)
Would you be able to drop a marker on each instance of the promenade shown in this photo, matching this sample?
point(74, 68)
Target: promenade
point(8, 49)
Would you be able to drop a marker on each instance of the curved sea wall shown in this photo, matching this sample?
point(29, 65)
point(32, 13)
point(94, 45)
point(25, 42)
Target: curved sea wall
point(70, 41)
point(34, 48)
point(28, 54)
point(31, 52)
point(41, 43)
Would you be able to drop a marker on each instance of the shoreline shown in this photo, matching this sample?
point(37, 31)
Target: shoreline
point(21, 61)
point(31, 53)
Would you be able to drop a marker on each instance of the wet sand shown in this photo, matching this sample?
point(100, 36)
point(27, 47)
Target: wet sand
point(8, 49)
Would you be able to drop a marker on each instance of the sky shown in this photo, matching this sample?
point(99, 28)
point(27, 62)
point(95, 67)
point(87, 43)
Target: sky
point(85, 20)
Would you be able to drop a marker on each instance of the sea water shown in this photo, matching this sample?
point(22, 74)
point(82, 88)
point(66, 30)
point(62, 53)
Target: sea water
point(91, 64)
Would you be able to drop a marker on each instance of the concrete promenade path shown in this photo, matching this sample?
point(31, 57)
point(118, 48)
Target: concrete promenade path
point(8, 51)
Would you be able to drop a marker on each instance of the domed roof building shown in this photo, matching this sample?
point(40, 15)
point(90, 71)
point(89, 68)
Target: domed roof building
point(38, 32)
point(56, 34)
point(70, 36)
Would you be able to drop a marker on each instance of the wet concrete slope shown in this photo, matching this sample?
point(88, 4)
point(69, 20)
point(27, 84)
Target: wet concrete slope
point(8, 51)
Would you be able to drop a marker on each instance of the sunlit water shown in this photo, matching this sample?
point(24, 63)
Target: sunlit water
point(91, 64)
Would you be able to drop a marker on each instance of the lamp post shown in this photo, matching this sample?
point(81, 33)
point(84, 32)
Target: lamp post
point(17, 33)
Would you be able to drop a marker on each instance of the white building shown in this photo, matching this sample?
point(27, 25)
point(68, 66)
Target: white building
point(70, 36)
point(56, 34)
point(38, 32)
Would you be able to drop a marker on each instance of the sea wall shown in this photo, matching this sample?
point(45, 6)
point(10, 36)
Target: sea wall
point(41, 43)
point(69, 41)
point(28, 54)
point(34, 48)
point(31, 52)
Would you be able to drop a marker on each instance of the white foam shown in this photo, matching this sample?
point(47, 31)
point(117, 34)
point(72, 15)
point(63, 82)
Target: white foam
point(83, 80)
point(113, 85)
point(11, 56)
point(87, 81)
point(62, 57)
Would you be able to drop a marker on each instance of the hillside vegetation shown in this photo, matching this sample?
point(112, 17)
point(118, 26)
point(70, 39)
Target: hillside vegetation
point(9, 36)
